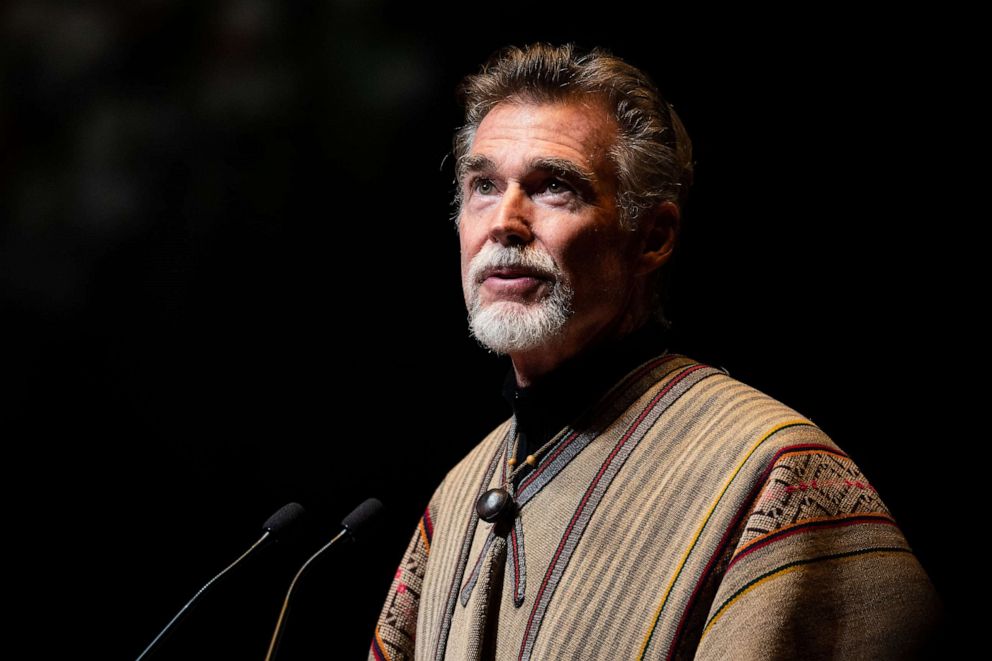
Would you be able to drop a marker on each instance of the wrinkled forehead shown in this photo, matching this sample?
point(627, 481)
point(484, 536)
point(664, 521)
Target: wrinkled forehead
point(580, 131)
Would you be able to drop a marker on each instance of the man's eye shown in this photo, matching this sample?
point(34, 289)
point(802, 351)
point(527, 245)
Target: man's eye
point(557, 187)
point(484, 186)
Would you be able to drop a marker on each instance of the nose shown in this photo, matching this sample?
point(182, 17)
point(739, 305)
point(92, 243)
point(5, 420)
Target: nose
point(511, 224)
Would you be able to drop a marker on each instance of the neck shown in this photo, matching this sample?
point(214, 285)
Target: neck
point(530, 366)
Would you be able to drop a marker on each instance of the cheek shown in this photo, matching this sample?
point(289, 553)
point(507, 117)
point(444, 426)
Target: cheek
point(588, 253)
point(472, 239)
point(595, 263)
point(466, 261)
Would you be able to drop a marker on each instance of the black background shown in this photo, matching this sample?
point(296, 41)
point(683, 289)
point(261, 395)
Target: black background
point(230, 280)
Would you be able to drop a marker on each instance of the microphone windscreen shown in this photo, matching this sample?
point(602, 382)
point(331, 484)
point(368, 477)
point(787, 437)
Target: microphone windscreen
point(287, 515)
point(362, 514)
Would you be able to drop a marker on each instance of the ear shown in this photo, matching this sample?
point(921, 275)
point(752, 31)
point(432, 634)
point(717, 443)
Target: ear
point(658, 231)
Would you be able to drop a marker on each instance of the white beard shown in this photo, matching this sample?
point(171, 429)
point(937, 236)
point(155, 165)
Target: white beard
point(509, 326)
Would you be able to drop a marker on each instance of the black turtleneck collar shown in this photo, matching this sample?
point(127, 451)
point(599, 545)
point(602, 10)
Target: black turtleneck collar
point(560, 397)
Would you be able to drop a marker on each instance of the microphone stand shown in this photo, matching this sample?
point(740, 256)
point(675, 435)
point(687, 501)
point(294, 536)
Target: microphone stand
point(189, 603)
point(274, 643)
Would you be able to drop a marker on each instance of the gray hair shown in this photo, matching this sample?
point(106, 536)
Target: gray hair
point(653, 153)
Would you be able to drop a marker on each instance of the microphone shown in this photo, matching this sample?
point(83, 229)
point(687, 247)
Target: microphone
point(355, 521)
point(279, 522)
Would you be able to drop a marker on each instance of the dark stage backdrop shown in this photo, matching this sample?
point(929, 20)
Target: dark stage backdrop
point(230, 280)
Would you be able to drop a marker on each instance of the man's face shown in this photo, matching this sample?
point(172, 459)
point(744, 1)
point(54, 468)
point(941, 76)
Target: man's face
point(545, 263)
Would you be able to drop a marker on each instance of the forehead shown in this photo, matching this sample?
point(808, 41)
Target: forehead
point(515, 133)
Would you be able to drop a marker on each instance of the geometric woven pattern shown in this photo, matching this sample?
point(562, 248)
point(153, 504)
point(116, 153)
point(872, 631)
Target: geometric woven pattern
point(811, 485)
point(396, 630)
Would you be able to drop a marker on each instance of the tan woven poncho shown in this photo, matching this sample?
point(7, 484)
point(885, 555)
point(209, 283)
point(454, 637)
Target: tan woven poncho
point(689, 515)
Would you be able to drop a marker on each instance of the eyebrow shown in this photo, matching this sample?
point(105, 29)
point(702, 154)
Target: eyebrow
point(562, 167)
point(470, 163)
point(565, 169)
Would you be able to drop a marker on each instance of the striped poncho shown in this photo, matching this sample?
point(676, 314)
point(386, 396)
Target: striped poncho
point(689, 516)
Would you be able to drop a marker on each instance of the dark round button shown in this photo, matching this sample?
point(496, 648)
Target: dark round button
point(494, 505)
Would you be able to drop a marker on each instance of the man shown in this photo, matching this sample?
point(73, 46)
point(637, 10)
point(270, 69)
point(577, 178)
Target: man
point(638, 504)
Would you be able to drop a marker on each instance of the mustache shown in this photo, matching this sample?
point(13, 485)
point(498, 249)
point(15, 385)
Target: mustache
point(494, 257)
